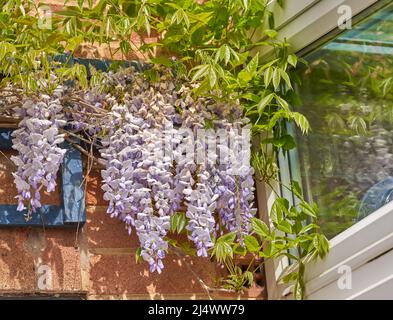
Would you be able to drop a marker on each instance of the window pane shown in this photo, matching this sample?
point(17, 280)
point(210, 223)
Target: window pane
point(347, 94)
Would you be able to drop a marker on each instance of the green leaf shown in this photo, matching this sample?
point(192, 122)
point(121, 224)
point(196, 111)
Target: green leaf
point(271, 33)
point(358, 124)
point(222, 251)
point(282, 103)
point(202, 71)
point(74, 43)
point(276, 78)
point(309, 227)
point(138, 257)
point(323, 245)
point(268, 75)
point(6, 48)
point(186, 20)
point(179, 16)
point(289, 277)
point(265, 101)
point(162, 60)
point(269, 64)
point(69, 12)
point(125, 47)
point(285, 226)
point(234, 54)
point(173, 222)
point(147, 25)
point(251, 243)
point(244, 76)
point(228, 238)
point(253, 64)
point(212, 77)
point(251, 96)
point(268, 251)
point(296, 189)
point(181, 223)
point(178, 222)
point(260, 228)
point(292, 60)
point(285, 76)
point(301, 121)
point(249, 276)
point(307, 209)
point(279, 210)
point(237, 249)
point(226, 52)
point(287, 142)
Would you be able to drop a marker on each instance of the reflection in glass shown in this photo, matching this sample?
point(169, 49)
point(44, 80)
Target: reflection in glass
point(347, 95)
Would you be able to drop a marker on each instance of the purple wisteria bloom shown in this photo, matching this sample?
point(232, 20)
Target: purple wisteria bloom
point(39, 156)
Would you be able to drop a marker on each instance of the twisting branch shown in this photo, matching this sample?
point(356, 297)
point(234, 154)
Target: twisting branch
point(99, 161)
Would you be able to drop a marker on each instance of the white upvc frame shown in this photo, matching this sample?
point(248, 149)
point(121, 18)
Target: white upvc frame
point(273, 267)
point(306, 24)
point(356, 247)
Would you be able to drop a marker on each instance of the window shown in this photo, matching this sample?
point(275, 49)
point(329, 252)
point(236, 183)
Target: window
point(345, 163)
point(72, 209)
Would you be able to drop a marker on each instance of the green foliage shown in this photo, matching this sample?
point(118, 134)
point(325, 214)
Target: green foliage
point(224, 247)
point(138, 257)
point(238, 279)
point(178, 222)
point(298, 230)
point(294, 234)
point(216, 44)
point(28, 44)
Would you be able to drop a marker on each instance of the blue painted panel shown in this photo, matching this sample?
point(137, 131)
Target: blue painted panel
point(5, 139)
point(72, 210)
point(100, 64)
point(49, 215)
point(72, 186)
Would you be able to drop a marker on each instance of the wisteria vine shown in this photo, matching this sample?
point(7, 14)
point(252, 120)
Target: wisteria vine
point(148, 136)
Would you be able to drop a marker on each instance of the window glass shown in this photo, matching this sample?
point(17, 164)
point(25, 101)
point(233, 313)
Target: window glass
point(346, 161)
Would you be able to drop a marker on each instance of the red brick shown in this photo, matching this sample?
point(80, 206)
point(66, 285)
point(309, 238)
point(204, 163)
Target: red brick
point(94, 193)
point(61, 255)
point(119, 275)
point(17, 270)
point(106, 232)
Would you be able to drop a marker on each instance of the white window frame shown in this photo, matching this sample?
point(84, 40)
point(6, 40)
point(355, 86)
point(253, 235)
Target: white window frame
point(365, 241)
point(306, 24)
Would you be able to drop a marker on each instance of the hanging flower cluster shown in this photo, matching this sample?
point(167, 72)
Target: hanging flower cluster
point(236, 184)
point(164, 152)
point(37, 141)
point(151, 174)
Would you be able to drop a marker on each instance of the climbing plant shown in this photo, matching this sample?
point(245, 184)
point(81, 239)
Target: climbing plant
point(213, 65)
